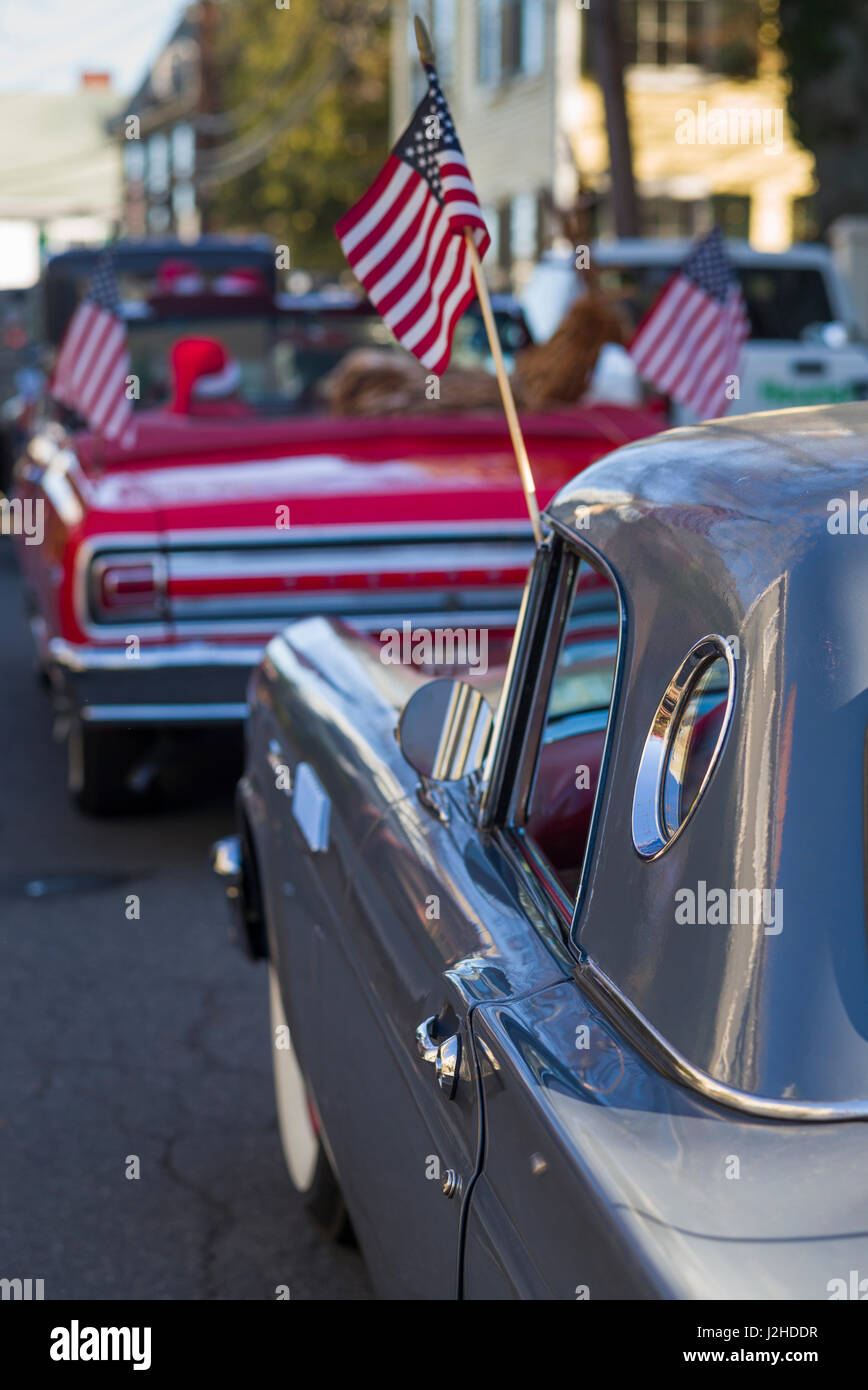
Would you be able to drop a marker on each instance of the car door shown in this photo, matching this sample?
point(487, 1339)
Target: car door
point(434, 922)
point(364, 932)
point(401, 920)
point(405, 1147)
point(534, 1226)
point(413, 916)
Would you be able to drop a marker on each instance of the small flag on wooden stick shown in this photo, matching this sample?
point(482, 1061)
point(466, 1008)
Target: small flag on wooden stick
point(405, 238)
point(90, 374)
point(690, 340)
point(416, 241)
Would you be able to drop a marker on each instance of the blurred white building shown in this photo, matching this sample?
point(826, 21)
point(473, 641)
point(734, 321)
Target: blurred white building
point(60, 175)
point(519, 76)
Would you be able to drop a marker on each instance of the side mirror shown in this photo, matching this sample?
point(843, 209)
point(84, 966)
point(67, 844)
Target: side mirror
point(444, 730)
point(834, 335)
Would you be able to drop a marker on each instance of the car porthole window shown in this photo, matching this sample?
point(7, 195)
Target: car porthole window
point(684, 745)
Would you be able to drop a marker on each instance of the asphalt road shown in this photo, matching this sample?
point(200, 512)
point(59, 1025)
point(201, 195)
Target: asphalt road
point(123, 1037)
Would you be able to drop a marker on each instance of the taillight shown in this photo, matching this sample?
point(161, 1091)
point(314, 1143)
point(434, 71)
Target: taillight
point(131, 586)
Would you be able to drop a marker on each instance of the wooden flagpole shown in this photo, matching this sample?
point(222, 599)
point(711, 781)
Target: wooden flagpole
point(426, 53)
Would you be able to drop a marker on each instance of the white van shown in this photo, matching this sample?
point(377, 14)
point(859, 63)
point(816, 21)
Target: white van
point(803, 348)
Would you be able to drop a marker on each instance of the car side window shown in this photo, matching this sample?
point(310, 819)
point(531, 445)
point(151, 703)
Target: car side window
point(574, 733)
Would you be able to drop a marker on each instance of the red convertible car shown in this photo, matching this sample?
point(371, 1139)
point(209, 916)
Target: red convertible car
point(163, 570)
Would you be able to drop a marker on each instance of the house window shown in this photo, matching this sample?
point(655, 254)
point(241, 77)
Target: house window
point(512, 39)
point(731, 213)
point(504, 236)
point(661, 33)
point(135, 160)
point(183, 150)
point(158, 165)
point(523, 228)
point(671, 217)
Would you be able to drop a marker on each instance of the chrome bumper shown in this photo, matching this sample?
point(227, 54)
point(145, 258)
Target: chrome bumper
point(196, 683)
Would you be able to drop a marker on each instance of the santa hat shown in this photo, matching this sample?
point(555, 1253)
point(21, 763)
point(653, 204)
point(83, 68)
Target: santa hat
point(202, 369)
point(179, 277)
point(242, 279)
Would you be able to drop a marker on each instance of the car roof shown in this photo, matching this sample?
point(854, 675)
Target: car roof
point(157, 249)
point(338, 300)
point(725, 528)
point(759, 467)
point(673, 251)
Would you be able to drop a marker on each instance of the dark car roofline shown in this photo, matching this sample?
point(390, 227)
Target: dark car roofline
point(349, 302)
point(157, 248)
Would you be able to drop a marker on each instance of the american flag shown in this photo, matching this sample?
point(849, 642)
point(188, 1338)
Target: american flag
point(93, 362)
point(405, 238)
point(690, 341)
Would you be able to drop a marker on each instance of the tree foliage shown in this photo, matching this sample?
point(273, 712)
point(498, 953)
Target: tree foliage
point(826, 52)
point(304, 92)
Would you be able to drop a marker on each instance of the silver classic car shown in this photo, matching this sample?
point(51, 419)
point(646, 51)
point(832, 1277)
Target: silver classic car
point(568, 964)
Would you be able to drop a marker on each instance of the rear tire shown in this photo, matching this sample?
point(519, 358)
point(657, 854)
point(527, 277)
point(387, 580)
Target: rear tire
point(306, 1160)
point(99, 761)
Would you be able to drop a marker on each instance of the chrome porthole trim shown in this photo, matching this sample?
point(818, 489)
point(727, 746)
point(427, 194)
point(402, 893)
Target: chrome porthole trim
point(658, 789)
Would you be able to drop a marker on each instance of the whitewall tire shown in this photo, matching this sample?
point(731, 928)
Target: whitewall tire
point(306, 1160)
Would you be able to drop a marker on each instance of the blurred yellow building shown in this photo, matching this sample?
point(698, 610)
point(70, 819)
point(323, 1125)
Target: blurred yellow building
point(706, 99)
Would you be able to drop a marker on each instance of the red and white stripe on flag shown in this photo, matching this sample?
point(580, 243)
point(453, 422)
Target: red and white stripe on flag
point(90, 373)
point(690, 343)
point(405, 239)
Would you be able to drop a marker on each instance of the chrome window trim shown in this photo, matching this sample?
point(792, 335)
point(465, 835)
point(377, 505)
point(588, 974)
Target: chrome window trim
point(553, 920)
point(595, 557)
point(534, 729)
point(655, 782)
point(508, 734)
point(642, 1034)
point(512, 744)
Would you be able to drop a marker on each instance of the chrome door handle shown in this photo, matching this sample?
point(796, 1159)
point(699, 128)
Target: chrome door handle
point(444, 1053)
point(426, 1040)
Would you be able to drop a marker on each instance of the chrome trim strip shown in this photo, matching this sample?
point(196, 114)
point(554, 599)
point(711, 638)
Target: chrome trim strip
point(78, 659)
point(673, 1064)
point(191, 614)
point(327, 535)
point(228, 713)
point(322, 535)
point(371, 621)
point(295, 560)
